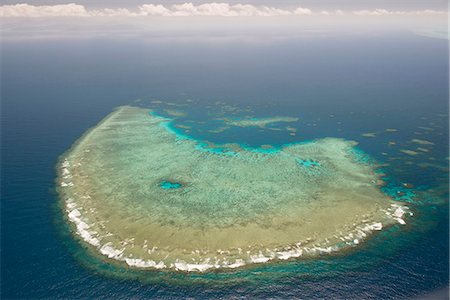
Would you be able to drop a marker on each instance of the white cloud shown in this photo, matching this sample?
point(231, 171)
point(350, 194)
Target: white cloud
point(216, 9)
point(302, 11)
point(153, 10)
point(385, 12)
point(110, 12)
point(177, 10)
point(183, 10)
point(26, 10)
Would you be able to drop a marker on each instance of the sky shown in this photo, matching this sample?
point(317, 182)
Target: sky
point(230, 9)
point(58, 18)
point(315, 4)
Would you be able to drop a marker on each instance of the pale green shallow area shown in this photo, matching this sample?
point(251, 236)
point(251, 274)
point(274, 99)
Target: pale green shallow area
point(253, 122)
point(226, 210)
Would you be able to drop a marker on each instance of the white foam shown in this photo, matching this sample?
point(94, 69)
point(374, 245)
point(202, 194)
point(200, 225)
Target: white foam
point(288, 254)
point(183, 266)
point(66, 163)
point(260, 258)
point(82, 227)
point(238, 263)
point(86, 235)
point(109, 251)
point(70, 204)
point(376, 226)
point(322, 249)
point(74, 214)
point(401, 221)
point(361, 234)
point(397, 212)
point(137, 262)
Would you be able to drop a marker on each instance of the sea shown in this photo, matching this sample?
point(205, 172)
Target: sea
point(389, 92)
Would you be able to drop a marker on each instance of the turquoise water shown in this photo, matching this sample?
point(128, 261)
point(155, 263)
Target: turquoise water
point(309, 163)
point(167, 185)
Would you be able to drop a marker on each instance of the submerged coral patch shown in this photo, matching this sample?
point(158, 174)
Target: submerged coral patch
point(124, 190)
point(167, 185)
point(308, 163)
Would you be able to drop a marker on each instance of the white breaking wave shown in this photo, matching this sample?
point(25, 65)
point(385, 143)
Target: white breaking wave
point(82, 227)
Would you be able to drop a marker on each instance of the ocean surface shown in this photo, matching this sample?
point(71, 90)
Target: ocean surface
point(381, 91)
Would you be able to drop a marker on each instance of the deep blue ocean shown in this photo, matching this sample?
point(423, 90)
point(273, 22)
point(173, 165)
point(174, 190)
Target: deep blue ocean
point(53, 90)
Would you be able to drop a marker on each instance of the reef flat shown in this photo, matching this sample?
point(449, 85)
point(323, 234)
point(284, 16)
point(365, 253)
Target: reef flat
point(259, 122)
point(140, 194)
